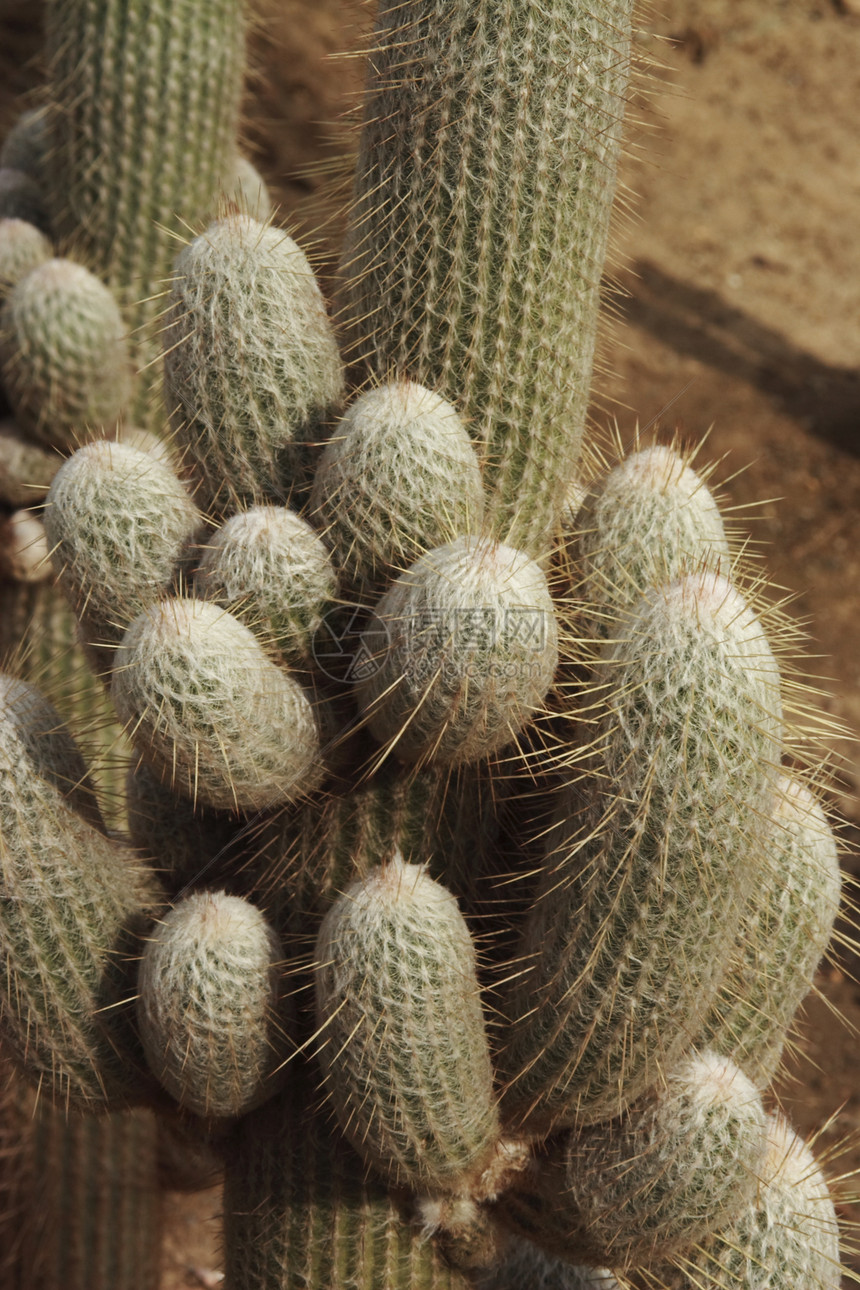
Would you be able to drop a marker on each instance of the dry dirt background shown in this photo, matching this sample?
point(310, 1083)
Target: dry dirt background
point(740, 273)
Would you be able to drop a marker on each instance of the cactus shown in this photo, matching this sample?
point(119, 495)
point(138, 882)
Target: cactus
point(412, 1094)
point(211, 713)
point(516, 827)
point(252, 369)
point(480, 224)
point(64, 355)
point(398, 477)
point(114, 557)
point(270, 568)
point(209, 1002)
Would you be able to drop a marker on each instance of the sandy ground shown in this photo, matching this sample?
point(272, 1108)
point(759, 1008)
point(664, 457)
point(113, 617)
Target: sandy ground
point(738, 302)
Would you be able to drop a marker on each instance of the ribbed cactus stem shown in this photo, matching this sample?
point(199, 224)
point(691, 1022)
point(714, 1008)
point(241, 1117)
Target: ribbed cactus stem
point(143, 107)
point(85, 1208)
point(210, 1004)
point(413, 1093)
point(301, 1211)
point(625, 957)
point(480, 220)
point(72, 902)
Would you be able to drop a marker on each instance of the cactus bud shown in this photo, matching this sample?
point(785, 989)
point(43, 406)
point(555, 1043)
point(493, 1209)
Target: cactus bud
point(466, 643)
point(271, 570)
point(246, 187)
point(118, 521)
point(211, 713)
point(411, 1087)
point(252, 370)
point(64, 354)
point(26, 470)
point(398, 477)
point(208, 1006)
point(648, 522)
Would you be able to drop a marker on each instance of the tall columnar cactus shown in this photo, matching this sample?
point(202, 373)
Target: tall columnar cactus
point(352, 736)
point(142, 112)
point(480, 223)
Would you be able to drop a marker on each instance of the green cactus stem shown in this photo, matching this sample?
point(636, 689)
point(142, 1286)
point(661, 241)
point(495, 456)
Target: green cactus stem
point(480, 221)
point(85, 1205)
point(622, 941)
point(300, 1211)
point(143, 104)
point(398, 477)
point(72, 903)
point(252, 371)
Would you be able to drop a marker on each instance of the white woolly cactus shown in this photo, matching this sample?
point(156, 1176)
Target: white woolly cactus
point(649, 521)
point(466, 647)
point(398, 477)
point(621, 942)
point(210, 1005)
point(679, 1164)
point(211, 713)
point(118, 522)
point(785, 931)
point(252, 371)
point(786, 1236)
point(64, 354)
point(269, 567)
point(403, 1044)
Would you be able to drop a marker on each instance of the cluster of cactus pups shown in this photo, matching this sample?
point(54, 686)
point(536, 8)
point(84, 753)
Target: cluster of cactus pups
point(461, 897)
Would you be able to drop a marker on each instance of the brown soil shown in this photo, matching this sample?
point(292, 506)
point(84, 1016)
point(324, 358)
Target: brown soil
point(739, 277)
